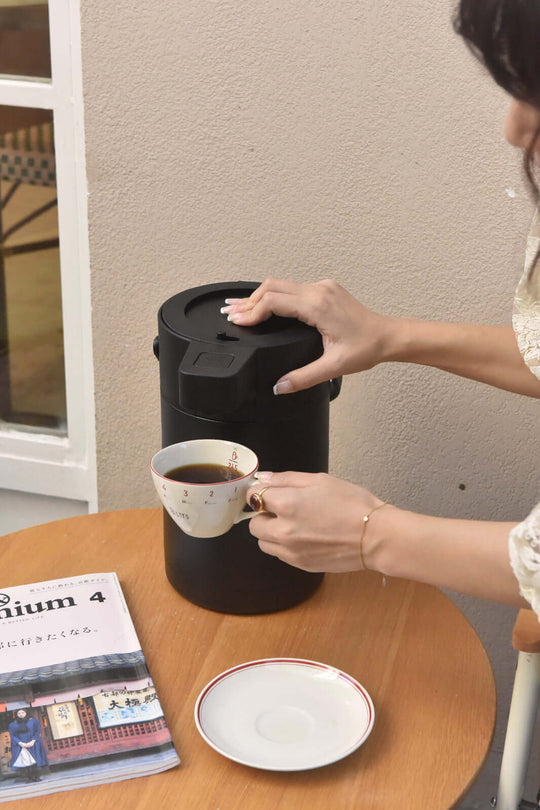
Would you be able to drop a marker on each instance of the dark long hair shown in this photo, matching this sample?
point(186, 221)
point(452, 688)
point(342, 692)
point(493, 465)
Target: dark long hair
point(505, 36)
point(22, 721)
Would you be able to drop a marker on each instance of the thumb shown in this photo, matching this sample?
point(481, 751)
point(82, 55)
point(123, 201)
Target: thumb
point(290, 478)
point(305, 377)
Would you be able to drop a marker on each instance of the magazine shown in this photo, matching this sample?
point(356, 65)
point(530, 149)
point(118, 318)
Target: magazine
point(77, 704)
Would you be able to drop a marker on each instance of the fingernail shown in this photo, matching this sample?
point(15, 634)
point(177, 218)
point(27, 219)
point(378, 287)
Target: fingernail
point(264, 475)
point(282, 387)
point(236, 317)
point(233, 300)
point(225, 310)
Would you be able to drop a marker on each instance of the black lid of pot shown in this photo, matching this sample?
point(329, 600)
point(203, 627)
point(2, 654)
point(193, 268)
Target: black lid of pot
point(210, 366)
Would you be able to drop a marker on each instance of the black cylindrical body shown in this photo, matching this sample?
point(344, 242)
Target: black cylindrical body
point(216, 382)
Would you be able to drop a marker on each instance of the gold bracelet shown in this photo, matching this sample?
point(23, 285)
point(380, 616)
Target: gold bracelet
point(366, 519)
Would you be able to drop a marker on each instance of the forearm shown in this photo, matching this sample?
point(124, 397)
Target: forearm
point(463, 555)
point(488, 354)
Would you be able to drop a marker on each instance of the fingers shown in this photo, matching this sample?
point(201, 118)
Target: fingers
point(270, 548)
point(275, 483)
point(282, 297)
point(299, 379)
point(271, 539)
point(262, 527)
point(269, 285)
point(272, 303)
point(279, 493)
point(242, 305)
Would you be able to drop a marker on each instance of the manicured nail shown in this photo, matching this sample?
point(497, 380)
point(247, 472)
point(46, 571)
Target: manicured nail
point(225, 310)
point(236, 317)
point(233, 300)
point(282, 387)
point(264, 476)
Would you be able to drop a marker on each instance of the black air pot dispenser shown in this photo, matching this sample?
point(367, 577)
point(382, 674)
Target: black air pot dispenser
point(216, 382)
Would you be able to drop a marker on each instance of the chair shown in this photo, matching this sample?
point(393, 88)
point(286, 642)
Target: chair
point(522, 716)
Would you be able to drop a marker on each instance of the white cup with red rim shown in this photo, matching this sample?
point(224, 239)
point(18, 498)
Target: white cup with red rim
point(211, 508)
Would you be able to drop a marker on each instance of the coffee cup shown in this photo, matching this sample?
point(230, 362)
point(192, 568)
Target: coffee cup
point(202, 484)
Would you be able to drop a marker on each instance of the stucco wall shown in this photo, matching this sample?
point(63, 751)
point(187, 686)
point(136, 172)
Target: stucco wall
point(356, 140)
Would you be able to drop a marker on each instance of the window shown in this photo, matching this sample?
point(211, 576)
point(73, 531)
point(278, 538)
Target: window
point(46, 390)
point(31, 333)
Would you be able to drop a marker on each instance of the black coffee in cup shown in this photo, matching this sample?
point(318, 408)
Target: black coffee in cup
point(203, 473)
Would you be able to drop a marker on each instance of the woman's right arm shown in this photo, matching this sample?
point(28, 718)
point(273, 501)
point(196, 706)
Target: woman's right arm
point(356, 338)
point(489, 354)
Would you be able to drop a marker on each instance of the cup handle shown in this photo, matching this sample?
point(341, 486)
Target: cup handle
point(247, 512)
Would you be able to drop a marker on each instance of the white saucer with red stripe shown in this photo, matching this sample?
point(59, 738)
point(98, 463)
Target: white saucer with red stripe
point(284, 714)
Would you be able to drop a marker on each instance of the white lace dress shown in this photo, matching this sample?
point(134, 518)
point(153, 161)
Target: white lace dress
point(524, 539)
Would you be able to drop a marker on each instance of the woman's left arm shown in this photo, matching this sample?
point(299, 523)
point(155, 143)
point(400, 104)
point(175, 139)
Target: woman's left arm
point(317, 522)
point(469, 556)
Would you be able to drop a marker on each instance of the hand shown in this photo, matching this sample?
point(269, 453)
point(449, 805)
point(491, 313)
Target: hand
point(314, 521)
point(354, 338)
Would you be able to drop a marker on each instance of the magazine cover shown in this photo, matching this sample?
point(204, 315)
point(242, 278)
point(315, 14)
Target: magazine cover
point(77, 703)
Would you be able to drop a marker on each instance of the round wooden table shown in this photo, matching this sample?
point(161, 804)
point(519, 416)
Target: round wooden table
point(411, 648)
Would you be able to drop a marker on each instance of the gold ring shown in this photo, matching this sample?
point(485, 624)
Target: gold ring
point(256, 501)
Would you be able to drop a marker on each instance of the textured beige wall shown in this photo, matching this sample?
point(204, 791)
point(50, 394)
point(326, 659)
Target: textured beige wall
point(231, 140)
point(355, 139)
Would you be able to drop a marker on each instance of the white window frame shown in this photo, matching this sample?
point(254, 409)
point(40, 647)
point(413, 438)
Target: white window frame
point(30, 461)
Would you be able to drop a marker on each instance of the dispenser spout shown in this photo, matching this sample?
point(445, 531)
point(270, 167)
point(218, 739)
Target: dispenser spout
point(222, 377)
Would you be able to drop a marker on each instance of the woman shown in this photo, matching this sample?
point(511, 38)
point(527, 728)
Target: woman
point(321, 523)
point(25, 735)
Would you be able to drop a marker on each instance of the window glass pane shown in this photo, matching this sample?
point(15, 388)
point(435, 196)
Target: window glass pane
point(32, 385)
point(24, 38)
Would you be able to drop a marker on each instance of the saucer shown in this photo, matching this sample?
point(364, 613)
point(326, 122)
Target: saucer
point(284, 714)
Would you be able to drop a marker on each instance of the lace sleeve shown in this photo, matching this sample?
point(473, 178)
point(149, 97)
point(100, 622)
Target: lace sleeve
point(524, 546)
point(526, 315)
point(524, 539)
